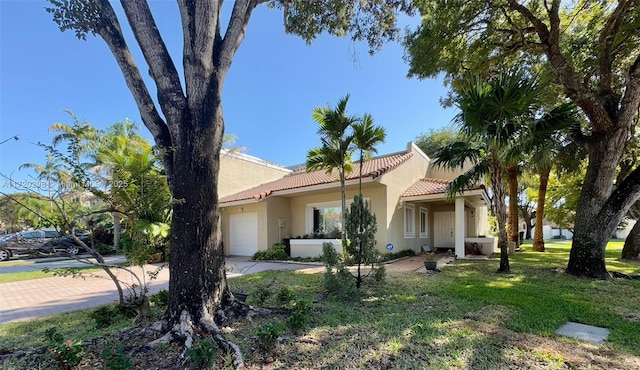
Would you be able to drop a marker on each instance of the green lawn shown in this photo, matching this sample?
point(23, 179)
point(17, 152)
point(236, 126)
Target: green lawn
point(465, 317)
point(15, 263)
point(19, 276)
point(26, 261)
point(38, 274)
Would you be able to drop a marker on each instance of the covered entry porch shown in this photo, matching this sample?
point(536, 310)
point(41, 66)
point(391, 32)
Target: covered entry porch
point(460, 223)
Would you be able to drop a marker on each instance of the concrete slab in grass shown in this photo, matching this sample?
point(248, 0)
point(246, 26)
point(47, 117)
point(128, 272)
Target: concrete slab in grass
point(587, 333)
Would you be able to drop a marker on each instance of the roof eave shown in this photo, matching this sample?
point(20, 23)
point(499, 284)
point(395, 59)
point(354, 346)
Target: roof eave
point(333, 184)
point(240, 202)
point(329, 185)
point(436, 196)
point(481, 192)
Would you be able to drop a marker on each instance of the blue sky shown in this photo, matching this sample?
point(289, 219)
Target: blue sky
point(273, 85)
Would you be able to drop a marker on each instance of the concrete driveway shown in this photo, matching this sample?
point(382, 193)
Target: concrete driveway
point(25, 300)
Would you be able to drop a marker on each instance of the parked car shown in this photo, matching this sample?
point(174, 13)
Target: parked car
point(66, 244)
point(25, 242)
point(42, 241)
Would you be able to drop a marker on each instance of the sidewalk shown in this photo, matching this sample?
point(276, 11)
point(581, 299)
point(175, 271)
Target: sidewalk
point(29, 299)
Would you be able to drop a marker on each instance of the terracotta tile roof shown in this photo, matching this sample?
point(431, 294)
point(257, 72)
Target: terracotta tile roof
point(428, 186)
point(300, 179)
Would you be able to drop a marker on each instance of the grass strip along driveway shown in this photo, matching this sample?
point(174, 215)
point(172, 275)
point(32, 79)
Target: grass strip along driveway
point(466, 317)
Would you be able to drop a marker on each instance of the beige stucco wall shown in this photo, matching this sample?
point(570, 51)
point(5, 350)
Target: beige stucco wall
point(240, 172)
point(417, 242)
point(439, 172)
point(475, 220)
point(292, 210)
point(482, 221)
point(278, 208)
point(269, 212)
point(384, 194)
point(373, 191)
point(397, 181)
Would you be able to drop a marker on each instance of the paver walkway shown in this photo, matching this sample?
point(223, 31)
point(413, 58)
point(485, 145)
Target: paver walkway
point(28, 299)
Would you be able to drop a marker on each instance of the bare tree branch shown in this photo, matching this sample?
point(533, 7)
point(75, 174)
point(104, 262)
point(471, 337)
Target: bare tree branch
point(565, 73)
point(161, 66)
point(110, 31)
point(631, 99)
point(200, 29)
point(606, 40)
point(235, 33)
point(624, 195)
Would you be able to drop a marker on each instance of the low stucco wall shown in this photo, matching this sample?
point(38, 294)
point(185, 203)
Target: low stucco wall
point(488, 246)
point(312, 247)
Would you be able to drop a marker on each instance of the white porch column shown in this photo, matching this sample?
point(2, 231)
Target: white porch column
point(460, 227)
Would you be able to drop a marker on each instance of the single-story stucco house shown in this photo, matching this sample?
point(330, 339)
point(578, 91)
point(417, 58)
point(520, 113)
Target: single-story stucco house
point(406, 193)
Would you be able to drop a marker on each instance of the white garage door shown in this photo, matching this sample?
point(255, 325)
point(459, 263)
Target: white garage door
point(243, 238)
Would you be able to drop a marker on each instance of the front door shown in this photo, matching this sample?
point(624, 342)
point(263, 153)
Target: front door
point(444, 229)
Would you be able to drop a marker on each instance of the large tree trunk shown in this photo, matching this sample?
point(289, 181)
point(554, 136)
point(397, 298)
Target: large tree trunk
point(611, 109)
point(596, 219)
point(528, 228)
point(197, 258)
point(189, 134)
point(117, 229)
point(343, 214)
point(527, 218)
point(538, 240)
point(512, 229)
point(631, 248)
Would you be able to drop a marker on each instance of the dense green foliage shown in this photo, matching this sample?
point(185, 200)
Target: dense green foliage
point(431, 320)
point(276, 252)
point(116, 359)
point(361, 227)
point(115, 176)
point(586, 49)
point(338, 281)
point(435, 139)
point(202, 354)
point(66, 353)
point(562, 198)
point(189, 130)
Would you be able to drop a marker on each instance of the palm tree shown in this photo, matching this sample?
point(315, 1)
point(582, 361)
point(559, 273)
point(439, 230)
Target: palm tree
point(513, 220)
point(114, 151)
point(487, 161)
point(489, 120)
point(129, 167)
point(365, 138)
point(545, 140)
point(336, 149)
point(81, 136)
point(550, 148)
point(115, 148)
point(51, 172)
